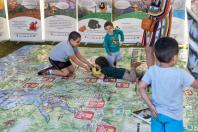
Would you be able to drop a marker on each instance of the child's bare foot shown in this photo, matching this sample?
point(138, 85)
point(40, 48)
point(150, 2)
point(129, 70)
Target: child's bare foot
point(71, 75)
point(135, 64)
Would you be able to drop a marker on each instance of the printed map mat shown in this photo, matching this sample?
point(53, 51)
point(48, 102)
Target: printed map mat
point(79, 104)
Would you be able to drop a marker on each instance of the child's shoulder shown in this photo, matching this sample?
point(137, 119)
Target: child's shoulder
point(117, 30)
point(106, 36)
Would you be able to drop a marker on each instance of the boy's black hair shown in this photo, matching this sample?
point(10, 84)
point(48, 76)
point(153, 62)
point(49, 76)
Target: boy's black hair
point(165, 49)
point(108, 23)
point(74, 35)
point(102, 62)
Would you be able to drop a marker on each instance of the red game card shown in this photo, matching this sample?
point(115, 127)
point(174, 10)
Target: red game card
point(87, 73)
point(67, 78)
point(105, 128)
point(90, 80)
point(30, 85)
point(188, 92)
point(49, 79)
point(109, 79)
point(84, 115)
point(96, 104)
point(122, 85)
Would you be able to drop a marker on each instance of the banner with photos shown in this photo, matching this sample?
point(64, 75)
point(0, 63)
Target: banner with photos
point(24, 20)
point(3, 22)
point(128, 15)
point(92, 14)
point(60, 19)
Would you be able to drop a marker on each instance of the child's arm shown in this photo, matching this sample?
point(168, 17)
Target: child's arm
point(142, 89)
point(120, 32)
point(106, 45)
point(101, 76)
point(195, 84)
point(79, 63)
point(82, 58)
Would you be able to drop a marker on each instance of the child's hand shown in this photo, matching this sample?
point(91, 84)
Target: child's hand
point(90, 65)
point(120, 44)
point(87, 68)
point(153, 111)
point(116, 43)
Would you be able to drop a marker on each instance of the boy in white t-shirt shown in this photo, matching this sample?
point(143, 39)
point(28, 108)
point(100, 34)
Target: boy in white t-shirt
point(61, 55)
point(167, 83)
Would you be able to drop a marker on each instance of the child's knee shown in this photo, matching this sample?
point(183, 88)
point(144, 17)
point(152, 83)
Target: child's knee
point(66, 73)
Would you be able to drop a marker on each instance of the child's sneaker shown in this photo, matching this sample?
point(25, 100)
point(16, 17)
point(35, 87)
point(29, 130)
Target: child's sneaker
point(45, 71)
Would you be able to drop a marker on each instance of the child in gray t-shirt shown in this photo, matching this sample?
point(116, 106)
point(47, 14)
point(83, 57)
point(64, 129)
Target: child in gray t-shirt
point(61, 55)
point(167, 83)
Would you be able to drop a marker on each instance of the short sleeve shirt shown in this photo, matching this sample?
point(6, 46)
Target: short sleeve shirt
point(167, 89)
point(62, 51)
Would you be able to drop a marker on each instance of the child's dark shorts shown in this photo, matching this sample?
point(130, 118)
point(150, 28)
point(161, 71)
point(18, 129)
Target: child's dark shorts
point(60, 65)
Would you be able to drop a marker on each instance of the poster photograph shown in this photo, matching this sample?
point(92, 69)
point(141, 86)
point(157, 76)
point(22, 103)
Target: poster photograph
point(92, 14)
point(24, 20)
point(60, 19)
point(3, 22)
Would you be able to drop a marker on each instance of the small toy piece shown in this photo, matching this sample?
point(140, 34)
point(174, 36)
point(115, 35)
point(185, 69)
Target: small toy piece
point(96, 71)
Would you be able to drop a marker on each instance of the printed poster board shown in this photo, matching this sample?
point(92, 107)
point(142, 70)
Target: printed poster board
point(92, 14)
point(24, 20)
point(128, 15)
point(60, 19)
point(3, 22)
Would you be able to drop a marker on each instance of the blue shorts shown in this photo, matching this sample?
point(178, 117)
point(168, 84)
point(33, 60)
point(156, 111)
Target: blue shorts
point(166, 124)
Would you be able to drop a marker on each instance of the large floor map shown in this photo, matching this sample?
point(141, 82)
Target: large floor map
point(78, 104)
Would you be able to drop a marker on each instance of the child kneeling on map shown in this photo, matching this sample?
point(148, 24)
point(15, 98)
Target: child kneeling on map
point(117, 73)
point(61, 55)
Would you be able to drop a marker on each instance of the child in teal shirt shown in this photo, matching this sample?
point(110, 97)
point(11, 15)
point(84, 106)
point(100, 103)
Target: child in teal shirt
point(117, 73)
point(112, 43)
